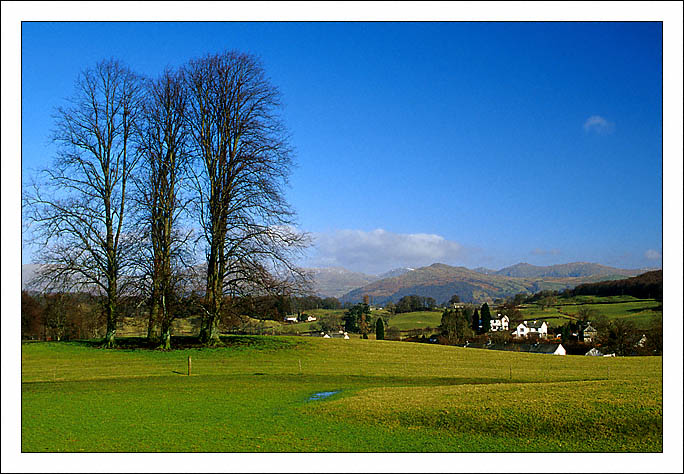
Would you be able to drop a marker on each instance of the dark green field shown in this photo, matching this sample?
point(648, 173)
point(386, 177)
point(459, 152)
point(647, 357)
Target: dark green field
point(253, 396)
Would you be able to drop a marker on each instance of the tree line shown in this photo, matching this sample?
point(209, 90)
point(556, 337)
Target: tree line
point(410, 303)
point(459, 324)
point(167, 188)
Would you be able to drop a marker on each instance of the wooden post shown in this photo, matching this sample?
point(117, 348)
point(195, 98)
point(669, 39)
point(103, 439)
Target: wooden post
point(510, 372)
point(300, 366)
point(608, 371)
point(189, 365)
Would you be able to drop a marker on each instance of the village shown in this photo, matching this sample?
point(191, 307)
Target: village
point(528, 336)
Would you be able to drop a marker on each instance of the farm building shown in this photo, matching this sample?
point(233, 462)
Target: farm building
point(589, 334)
point(291, 319)
point(551, 349)
point(332, 335)
point(499, 324)
point(594, 352)
point(531, 328)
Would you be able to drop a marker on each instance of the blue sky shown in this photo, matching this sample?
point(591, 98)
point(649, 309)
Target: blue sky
point(476, 144)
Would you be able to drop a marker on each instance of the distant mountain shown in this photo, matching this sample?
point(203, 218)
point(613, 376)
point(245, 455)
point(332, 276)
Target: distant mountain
point(336, 281)
point(28, 273)
point(395, 273)
point(486, 271)
point(441, 281)
point(578, 269)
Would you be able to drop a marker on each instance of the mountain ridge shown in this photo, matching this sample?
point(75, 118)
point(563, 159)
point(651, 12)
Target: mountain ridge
point(441, 281)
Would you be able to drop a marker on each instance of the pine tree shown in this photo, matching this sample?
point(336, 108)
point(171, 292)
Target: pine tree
point(380, 330)
point(486, 318)
point(476, 322)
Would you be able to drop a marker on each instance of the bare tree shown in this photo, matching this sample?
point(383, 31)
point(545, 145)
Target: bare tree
point(244, 161)
point(161, 176)
point(79, 210)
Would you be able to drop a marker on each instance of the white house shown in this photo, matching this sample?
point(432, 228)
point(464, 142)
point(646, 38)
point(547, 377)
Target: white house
point(642, 341)
point(499, 324)
point(589, 333)
point(291, 319)
point(311, 318)
point(531, 328)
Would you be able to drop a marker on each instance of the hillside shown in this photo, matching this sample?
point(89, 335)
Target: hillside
point(566, 270)
point(441, 281)
point(646, 285)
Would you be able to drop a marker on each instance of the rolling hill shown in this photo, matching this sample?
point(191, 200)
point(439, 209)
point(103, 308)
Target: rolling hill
point(441, 281)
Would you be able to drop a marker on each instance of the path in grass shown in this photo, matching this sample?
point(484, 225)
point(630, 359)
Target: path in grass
point(252, 396)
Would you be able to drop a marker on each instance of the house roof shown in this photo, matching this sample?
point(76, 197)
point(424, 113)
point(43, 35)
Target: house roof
point(544, 348)
point(533, 348)
point(533, 324)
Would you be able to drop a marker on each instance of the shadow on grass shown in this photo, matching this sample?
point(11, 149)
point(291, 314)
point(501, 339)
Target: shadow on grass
point(193, 342)
point(654, 308)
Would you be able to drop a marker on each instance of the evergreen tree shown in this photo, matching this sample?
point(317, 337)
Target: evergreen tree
point(486, 318)
point(357, 319)
point(380, 330)
point(475, 322)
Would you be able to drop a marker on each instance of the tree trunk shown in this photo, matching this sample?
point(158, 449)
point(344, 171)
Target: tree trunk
point(111, 332)
point(165, 339)
point(111, 312)
point(153, 328)
point(153, 324)
point(210, 331)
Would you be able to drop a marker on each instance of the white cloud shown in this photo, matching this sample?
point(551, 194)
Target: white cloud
point(598, 124)
point(378, 250)
point(652, 254)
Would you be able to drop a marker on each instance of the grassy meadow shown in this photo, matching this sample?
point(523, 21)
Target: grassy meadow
point(641, 312)
point(253, 395)
point(415, 320)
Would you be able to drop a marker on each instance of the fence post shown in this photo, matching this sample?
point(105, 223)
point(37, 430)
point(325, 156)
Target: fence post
point(189, 365)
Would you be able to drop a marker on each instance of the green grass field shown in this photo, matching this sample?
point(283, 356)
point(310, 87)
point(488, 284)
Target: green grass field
point(641, 312)
point(416, 320)
point(253, 396)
